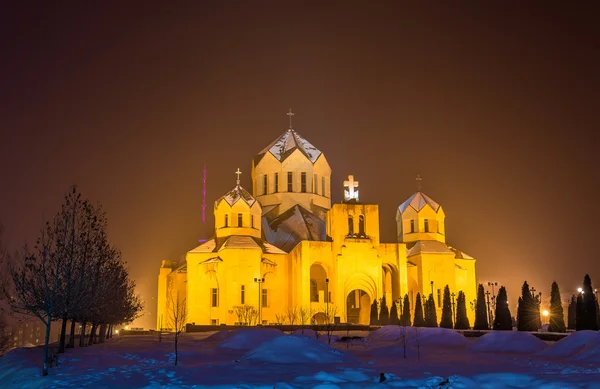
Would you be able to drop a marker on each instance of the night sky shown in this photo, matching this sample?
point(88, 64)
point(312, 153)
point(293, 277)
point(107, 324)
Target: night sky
point(496, 108)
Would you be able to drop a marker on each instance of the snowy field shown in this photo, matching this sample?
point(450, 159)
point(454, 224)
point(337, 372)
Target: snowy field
point(267, 358)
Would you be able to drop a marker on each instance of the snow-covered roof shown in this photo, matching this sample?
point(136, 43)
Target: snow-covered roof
point(205, 247)
point(460, 254)
point(418, 201)
point(236, 194)
point(211, 260)
point(285, 145)
point(240, 242)
point(429, 247)
point(294, 225)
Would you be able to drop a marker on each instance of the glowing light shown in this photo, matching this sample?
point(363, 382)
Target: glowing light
point(126, 327)
point(579, 290)
point(351, 193)
point(117, 331)
point(545, 313)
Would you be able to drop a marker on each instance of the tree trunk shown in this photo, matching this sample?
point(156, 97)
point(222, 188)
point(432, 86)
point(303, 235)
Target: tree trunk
point(46, 344)
point(72, 335)
point(92, 334)
point(63, 329)
point(176, 354)
point(82, 335)
point(102, 334)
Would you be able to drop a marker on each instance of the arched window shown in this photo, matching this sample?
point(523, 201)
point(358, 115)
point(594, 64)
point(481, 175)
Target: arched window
point(314, 293)
point(361, 226)
point(350, 226)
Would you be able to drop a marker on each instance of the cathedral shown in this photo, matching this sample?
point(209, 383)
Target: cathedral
point(284, 247)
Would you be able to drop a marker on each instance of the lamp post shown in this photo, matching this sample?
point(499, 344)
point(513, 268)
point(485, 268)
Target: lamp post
point(453, 311)
point(259, 281)
point(431, 288)
point(487, 295)
point(493, 284)
point(327, 296)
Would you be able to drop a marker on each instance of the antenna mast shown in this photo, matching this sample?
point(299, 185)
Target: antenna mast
point(204, 193)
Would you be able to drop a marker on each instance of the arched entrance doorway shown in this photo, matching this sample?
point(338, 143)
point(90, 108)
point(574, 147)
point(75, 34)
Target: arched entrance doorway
point(318, 287)
point(358, 307)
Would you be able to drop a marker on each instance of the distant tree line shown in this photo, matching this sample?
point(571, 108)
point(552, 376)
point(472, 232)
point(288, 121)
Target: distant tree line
point(73, 274)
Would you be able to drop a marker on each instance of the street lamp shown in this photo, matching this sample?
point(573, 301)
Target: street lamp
point(432, 289)
point(545, 313)
point(259, 281)
point(579, 290)
point(487, 295)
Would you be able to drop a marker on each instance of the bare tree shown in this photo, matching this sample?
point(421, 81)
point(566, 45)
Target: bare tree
point(418, 341)
point(304, 316)
point(247, 315)
point(330, 312)
point(292, 316)
point(280, 318)
point(4, 258)
point(404, 338)
point(37, 283)
point(177, 317)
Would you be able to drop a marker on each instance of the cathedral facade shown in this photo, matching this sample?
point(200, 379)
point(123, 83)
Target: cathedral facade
point(285, 247)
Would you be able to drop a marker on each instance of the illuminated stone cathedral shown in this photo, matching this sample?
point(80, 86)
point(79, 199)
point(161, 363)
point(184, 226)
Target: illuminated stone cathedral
point(285, 246)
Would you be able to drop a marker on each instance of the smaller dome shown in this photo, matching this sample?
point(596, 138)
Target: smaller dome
point(236, 194)
point(417, 201)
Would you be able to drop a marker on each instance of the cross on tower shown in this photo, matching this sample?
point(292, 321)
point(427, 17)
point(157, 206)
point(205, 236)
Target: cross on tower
point(290, 114)
point(419, 179)
point(351, 194)
point(238, 172)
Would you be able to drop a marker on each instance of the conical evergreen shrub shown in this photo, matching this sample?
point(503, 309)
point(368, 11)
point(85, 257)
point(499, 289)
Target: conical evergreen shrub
point(431, 314)
point(571, 313)
point(528, 311)
point(447, 320)
point(557, 316)
point(394, 314)
point(384, 313)
point(405, 318)
point(502, 317)
point(419, 321)
point(374, 314)
point(462, 321)
point(481, 317)
point(587, 316)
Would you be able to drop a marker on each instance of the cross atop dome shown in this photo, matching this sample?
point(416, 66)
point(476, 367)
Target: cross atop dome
point(290, 114)
point(418, 179)
point(351, 193)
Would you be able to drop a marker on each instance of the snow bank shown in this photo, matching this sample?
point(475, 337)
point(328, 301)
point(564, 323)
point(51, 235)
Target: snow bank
point(441, 337)
point(509, 342)
point(249, 338)
point(297, 349)
point(219, 336)
point(573, 345)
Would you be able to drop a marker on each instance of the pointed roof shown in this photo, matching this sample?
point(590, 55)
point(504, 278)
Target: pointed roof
point(236, 194)
point(418, 201)
point(294, 225)
point(286, 144)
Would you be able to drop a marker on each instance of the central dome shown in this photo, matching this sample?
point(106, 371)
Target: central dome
point(286, 144)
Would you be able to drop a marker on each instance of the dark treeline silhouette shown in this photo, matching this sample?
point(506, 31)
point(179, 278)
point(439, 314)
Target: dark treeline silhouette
point(73, 274)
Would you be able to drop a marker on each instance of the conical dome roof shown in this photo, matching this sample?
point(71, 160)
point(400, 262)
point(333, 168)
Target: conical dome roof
point(418, 201)
point(286, 144)
point(236, 194)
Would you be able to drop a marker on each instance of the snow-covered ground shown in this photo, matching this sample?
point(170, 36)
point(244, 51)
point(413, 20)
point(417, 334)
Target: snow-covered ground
point(267, 358)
